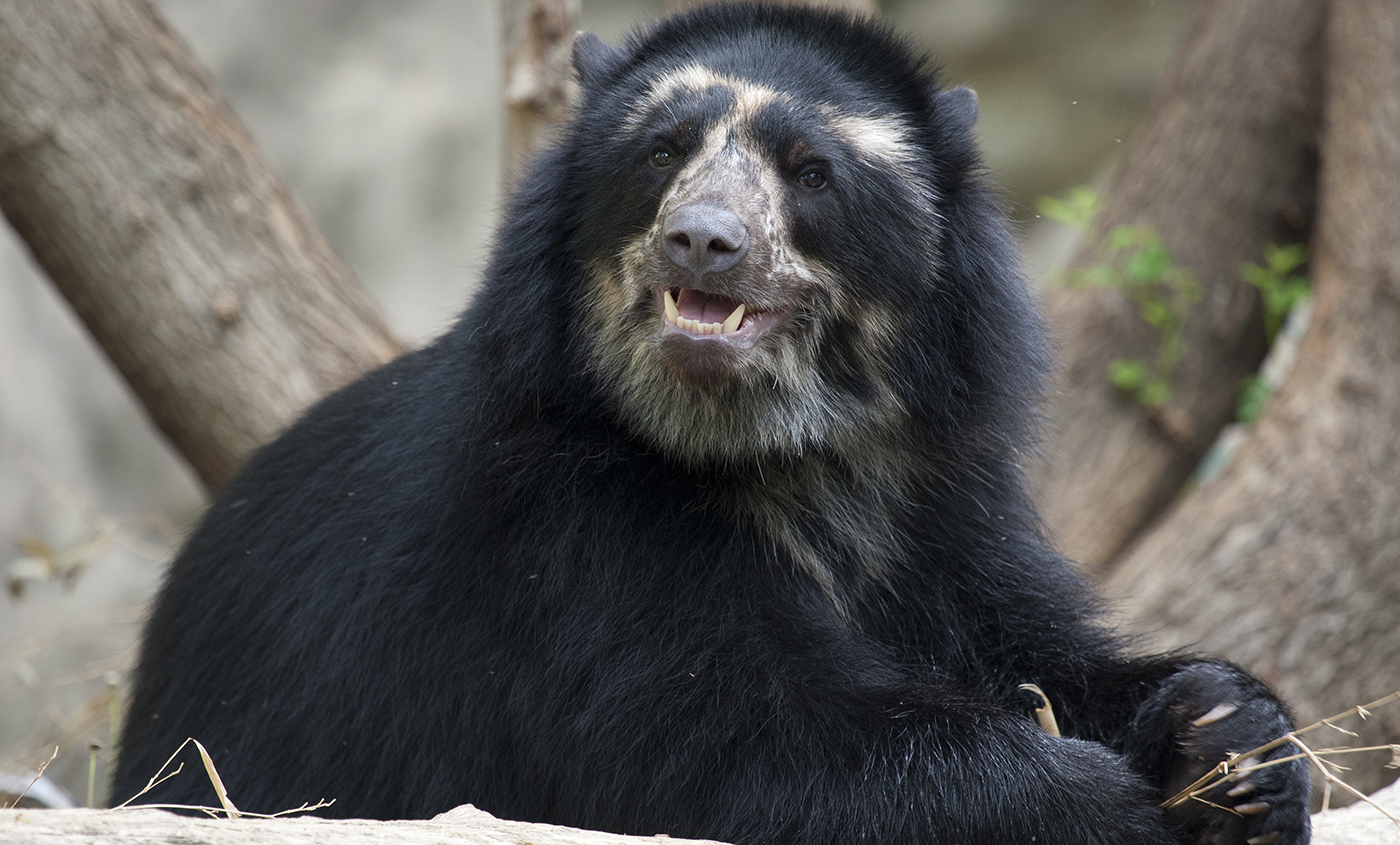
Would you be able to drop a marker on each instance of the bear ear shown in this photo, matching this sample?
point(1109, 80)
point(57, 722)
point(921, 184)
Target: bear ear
point(959, 105)
point(594, 58)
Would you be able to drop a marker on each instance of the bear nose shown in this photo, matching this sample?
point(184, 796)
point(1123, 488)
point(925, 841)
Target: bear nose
point(705, 238)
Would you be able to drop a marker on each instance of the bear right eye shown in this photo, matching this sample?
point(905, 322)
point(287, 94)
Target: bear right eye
point(662, 158)
point(813, 179)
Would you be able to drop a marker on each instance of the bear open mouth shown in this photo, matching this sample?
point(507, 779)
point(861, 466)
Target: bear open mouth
point(705, 336)
point(699, 315)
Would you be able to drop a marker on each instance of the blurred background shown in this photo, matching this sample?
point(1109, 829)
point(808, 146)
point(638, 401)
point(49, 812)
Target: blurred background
point(387, 120)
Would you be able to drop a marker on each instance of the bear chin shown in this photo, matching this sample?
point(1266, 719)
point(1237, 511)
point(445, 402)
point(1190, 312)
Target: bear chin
point(706, 354)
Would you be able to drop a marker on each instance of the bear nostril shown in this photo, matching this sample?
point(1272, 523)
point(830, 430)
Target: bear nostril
point(705, 238)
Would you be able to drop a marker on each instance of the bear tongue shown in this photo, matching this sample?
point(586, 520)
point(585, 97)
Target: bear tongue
point(707, 308)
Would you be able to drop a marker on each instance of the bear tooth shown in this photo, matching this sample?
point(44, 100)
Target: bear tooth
point(732, 322)
point(672, 312)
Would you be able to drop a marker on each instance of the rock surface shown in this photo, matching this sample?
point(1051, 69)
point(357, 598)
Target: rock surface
point(466, 825)
point(1358, 824)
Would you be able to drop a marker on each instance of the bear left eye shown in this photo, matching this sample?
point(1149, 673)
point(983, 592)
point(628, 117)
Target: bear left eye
point(662, 158)
point(812, 179)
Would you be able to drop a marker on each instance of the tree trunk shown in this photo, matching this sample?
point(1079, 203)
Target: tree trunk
point(539, 83)
point(1289, 562)
point(1223, 164)
point(148, 205)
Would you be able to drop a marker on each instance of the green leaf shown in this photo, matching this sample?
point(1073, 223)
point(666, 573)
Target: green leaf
point(1278, 300)
point(1258, 276)
point(1149, 265)
point(1158, 315)
point(1183, 283)
point(1078, 209)
point(1279, 290)
point(1097, 276)
point(1155, 393)
point(1121, 238)
point(1283, 260)
point(1127, 374)
point(1254, 395)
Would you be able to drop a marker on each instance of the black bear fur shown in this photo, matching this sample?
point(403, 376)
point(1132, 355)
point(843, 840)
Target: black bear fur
point(574, 568)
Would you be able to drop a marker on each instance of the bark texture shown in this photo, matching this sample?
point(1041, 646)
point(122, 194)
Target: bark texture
point(151, 209)
point(539, 83)
point(1223, 164)
point(1289, 562)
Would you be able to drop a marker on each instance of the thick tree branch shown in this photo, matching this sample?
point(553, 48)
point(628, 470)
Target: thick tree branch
point(1289, 562)
point(539, 38)
point(1222, 165)
point(148, 205)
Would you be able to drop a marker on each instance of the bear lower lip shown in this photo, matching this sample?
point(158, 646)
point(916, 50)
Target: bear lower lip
point(701, 361)
point(708, 347)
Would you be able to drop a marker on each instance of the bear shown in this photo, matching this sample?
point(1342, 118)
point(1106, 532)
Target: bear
point(707, 518)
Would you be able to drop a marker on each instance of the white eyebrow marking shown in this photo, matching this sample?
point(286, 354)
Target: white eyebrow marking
point(749, 97)
point(881, 138)
point(884, 139)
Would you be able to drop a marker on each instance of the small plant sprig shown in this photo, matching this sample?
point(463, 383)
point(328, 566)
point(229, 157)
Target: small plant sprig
point(1255, 392)
point(1134, 261)
point(1279, 287)
point(1281, 290)
point(42, 766)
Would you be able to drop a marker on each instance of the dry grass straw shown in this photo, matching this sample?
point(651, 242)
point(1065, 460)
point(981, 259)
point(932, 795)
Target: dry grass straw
point(1240, 766)
point(228, 809)
point(44, 765)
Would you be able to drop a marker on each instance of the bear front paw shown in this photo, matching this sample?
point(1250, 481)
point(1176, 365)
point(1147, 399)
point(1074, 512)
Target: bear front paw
point(1263, 800)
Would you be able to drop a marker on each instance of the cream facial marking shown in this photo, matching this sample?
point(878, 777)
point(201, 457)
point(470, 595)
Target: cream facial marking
point(749, 97)
point(767, 395)
point(883, 141)
point(880, 138)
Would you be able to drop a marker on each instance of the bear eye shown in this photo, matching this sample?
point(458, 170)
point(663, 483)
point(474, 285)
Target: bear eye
point(812, 178)
point(661, 157)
